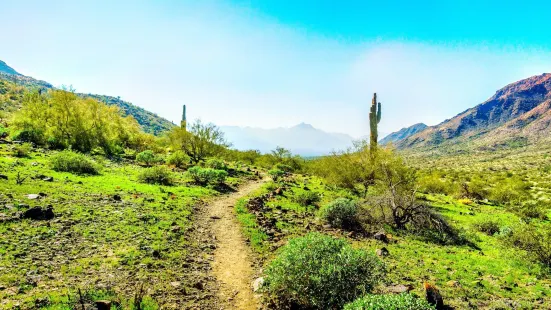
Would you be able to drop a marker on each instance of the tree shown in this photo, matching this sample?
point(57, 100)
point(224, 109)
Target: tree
point(199, 141)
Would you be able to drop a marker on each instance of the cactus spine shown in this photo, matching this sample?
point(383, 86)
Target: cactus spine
point(374, 119)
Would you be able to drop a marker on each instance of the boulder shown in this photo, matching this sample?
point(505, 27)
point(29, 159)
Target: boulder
point(381, 236)
point(382, 252)
point(257, 284)
point(38, 213)
point(103, 305)
point(433, 296)
point(399, 289)
point(33, 196)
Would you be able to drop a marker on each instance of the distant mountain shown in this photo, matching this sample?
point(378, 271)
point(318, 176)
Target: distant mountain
point(402, 133)
point(302, 139)
point(4, 68)
point(518, 113)
point(150, 122)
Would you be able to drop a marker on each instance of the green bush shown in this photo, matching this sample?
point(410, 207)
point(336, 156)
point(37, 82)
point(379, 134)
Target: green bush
point(306, 198)
point(320, 272)
point(434, 184)
point(156, 175)
point(216, 163)
point(534, 240)
point(147, 158)
point(276, 174)
point(340, 213)
point(488, 227)
point(178, 159)
point(531, 209)
point(204, 176)
point(283, 167)
point(29, 135)
point(22, 150)
point(389, 302)
point(512, 190)
point(69, 161)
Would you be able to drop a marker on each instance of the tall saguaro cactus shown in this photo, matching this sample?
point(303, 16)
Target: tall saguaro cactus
point(374, 119)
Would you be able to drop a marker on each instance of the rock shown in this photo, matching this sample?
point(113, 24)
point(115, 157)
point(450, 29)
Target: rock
point(175, 284)
point(3, 177)
point(215, 217)
point(37, 213)
point(175, 228)
point(103, 304)
point(33, 196)
point(117, 197)
point(399, 289)
point(257, 284)
point(23, 205)
point(156, 254)
point(199, 285)
point(381, 237)
point(433, 296)
point(382, 252)
point(48, 179)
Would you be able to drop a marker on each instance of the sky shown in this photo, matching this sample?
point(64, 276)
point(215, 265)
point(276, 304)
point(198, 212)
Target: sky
point(279, 63)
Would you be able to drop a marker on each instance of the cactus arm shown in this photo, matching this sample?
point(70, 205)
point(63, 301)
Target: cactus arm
point(378, 112)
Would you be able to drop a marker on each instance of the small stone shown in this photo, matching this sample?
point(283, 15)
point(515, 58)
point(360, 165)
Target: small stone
point(381, 237)
point(257, 284)
point(399, 289)
point(199, 285)
point(33, 196)
point(48, 179)
point(117, 197)
point(215, 217)
point(382, 252)
point(175, 284)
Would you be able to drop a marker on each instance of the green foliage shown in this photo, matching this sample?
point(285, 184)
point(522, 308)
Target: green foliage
point(510, 190)
point(536, 241)
point(72, 121)
point(68, 161)
point(306, 198)
point(22, 150)
point(156, 175)
point(340, 213)
point(320, 272)
point(489, 227)
point(283, 167)
point(531, 209)
point(251, 230)
point(178, 159)
point(199, 141)
point(216, 163)
point(389, 302)
point(147, 158)
point(204, 176)
point(435, 184)
point(276, 174)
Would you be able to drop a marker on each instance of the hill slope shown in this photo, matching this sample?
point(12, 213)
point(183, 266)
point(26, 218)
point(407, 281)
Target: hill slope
point(302, 139)
point(520, 110)
point(149, 121)
point(403, 133)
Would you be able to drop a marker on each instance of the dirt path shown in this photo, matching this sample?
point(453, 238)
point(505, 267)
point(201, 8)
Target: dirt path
point(233, 263)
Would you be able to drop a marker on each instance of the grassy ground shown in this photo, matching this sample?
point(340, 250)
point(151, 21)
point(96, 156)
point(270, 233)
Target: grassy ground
point(486, 275)
point(111, 234)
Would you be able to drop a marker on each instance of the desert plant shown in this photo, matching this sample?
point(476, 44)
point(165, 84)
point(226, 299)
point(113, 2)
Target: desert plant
point(68, 161)
point(22, 150)
point(531, 209)
point(156, 175)
point(199, 141)
point(536, 241)
point(306, 198)
point(389, 302)
point(320, 272)
point(374, 119)
point(147, 158)
point(276, 174)
point(489, 227)
point(216, 163)
point(204, 176)
point(178, 159)
point(283, 167)
point(340, 213)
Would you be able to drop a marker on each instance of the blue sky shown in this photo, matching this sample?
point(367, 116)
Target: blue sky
point(278, 63)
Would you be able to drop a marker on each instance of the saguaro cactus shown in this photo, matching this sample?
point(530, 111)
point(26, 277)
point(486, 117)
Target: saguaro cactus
point(374, 119)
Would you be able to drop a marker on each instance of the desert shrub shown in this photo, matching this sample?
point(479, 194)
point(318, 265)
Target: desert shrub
point(531, 209)
point(69, 161)
point(276, 174)
point(340, 213)
point(489, 227)
point(156, 175)
point(536, 241)
point(147, 158)
point(389, 302)
point(22, 150)
point(320, 272)
point(434, 184)
point(216, 163)
point(204, 176)
point(178, 159)
point(306, 198)
point(283, 167)
point(511, 190)
point(29, 135)
point(476, 189)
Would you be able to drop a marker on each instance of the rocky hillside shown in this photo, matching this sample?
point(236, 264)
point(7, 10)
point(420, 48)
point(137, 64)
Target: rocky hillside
point(518, 112)
point(402, 133)
point(11, 80)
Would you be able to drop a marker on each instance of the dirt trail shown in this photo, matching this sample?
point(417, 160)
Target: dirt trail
point(233, 263)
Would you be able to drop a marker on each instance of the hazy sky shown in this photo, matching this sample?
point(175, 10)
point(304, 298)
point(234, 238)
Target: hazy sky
point(278, 63)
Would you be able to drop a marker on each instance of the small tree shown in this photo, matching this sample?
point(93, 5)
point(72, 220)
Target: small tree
point(147, 158)
point(199, 141)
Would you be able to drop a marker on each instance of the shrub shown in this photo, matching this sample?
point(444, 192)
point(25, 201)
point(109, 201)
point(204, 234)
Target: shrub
point(535, 241)
point(69, 161)
point(156, 175)
point(488, 227)
point(340, 213)
point(531, 209)
point(204, 176)
point(276, 174)
point(389, 302)
point(512, 190)
point(216, 163)
point(433, 184)
point(283, 167)
point(320, 272)
point(306, 198)
point(22, 150)
point(178, 159)
point(147, 158)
